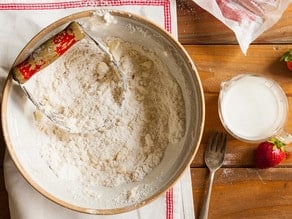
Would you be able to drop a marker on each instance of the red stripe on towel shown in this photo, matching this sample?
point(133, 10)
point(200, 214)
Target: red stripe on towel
point(169, 204)
point(91, 3)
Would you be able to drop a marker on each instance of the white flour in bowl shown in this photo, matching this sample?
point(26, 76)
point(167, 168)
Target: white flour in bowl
point(151, 118)
point(151, 141)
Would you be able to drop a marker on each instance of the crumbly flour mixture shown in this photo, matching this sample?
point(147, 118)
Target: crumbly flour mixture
point(133, 142)
point(82, 89)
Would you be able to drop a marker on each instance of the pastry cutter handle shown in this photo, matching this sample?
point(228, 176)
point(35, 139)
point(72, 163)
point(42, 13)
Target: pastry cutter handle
point(47, 52)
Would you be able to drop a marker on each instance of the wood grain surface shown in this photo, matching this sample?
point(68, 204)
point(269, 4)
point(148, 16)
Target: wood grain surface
point(240, 190)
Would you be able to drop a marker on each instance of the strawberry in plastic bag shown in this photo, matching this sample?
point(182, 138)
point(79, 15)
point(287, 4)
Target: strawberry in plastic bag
point(236, 12)
point(246, 18)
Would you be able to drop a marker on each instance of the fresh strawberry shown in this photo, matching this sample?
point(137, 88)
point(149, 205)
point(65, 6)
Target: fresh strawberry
point(269, 153)
point(289, 65)
point(287, 57)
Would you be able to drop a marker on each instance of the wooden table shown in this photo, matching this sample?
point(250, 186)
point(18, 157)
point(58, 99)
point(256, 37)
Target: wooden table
point(240, 190)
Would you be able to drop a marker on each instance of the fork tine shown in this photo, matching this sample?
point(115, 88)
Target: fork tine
point(211, 140)
point(224, 143)
point(221, 146)
point(215, 141)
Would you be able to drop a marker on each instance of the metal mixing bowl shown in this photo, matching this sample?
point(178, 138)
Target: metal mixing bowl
point(20, 135)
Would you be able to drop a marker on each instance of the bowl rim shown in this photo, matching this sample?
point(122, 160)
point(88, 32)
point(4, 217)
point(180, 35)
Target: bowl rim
point(47, 31)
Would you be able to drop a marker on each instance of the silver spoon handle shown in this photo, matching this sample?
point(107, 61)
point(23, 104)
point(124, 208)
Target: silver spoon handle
point(205, 208)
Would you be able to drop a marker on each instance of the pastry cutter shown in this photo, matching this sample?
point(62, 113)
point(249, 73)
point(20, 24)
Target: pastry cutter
point(47, 53)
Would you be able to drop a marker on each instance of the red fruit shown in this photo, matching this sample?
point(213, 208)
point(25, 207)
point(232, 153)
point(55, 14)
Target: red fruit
point(289, 65)
point(287, 57)
point(269, 153)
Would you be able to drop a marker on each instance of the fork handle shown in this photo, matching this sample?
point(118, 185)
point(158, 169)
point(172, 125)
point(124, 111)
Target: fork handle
point(205, 208)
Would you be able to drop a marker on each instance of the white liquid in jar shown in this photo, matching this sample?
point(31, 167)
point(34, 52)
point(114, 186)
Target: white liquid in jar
point(252, 108)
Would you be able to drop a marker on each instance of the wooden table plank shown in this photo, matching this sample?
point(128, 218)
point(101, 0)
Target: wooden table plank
point(216, 63)
point(246, 193)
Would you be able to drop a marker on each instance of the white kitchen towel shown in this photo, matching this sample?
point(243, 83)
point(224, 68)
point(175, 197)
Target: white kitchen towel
point(20, 21)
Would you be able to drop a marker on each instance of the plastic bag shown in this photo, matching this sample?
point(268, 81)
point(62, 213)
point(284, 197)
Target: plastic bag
point(246, 18)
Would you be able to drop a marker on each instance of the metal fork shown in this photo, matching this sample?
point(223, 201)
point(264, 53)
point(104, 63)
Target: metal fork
point(214, 156)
